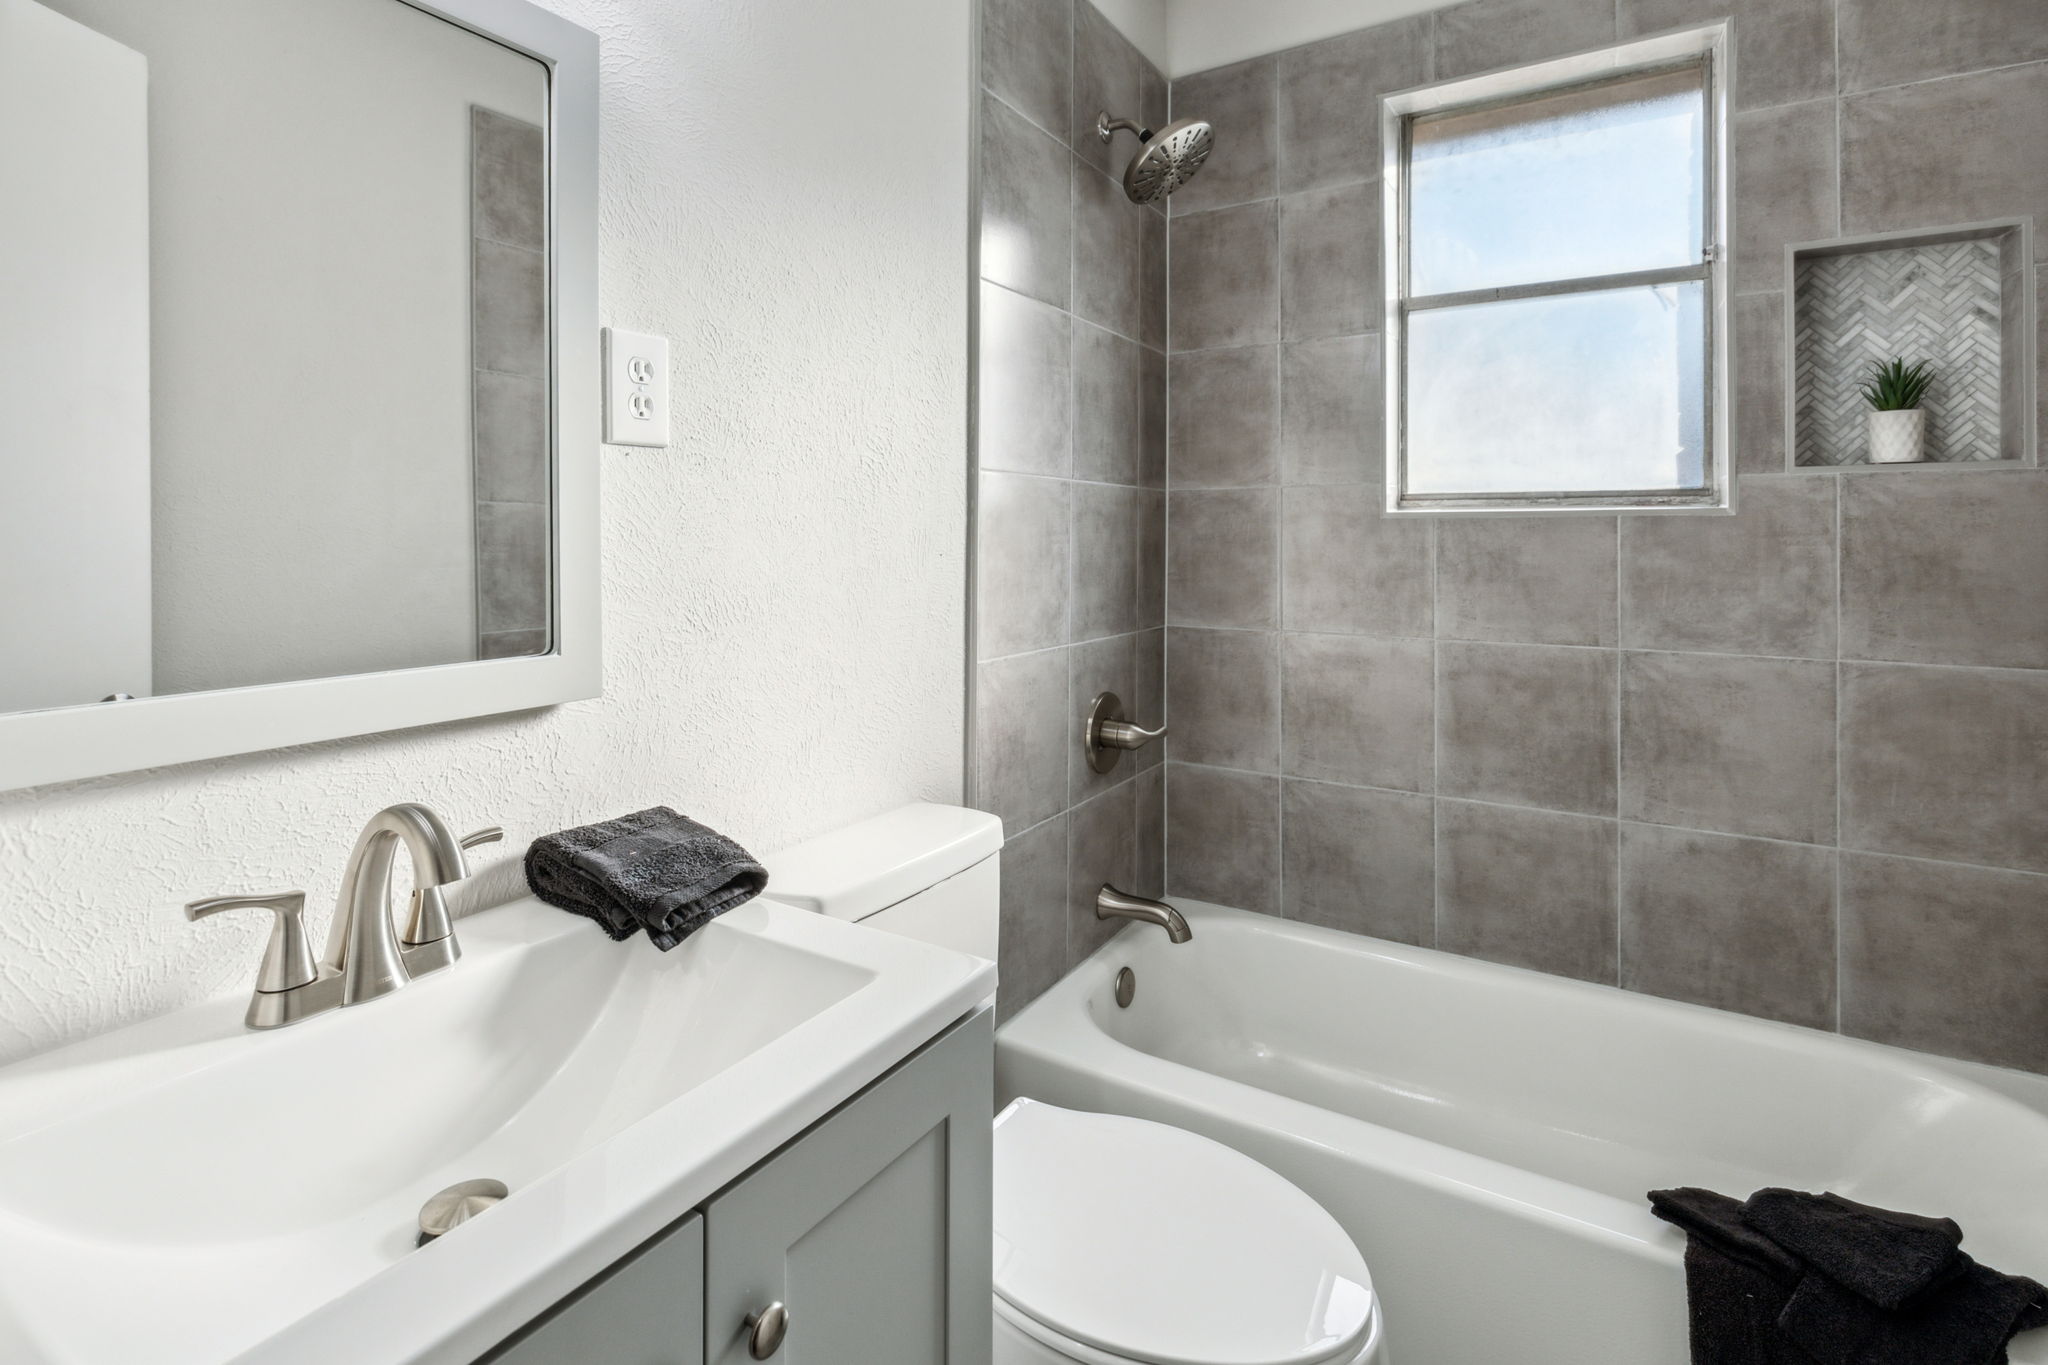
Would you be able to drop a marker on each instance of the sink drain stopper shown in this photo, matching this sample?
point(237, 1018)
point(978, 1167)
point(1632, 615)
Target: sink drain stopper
point(456, 1205)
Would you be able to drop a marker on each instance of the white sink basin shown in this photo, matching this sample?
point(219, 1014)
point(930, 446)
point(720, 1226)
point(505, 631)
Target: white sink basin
point(188, 1191)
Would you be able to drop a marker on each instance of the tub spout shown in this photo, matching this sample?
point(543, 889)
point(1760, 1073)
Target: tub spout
point(1111, 903)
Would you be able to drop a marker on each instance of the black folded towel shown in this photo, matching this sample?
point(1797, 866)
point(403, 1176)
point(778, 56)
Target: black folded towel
point(653, 870)
point(1734, 1281)
point(1877, 1254)
point(1788, 1278)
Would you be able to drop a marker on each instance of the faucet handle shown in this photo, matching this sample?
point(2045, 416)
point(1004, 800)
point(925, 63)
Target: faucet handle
point(1105, 734)
point(288, 958)
point(429, 921)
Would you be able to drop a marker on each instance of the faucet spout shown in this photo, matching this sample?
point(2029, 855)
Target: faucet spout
point(1111, 903)
point(363, 946)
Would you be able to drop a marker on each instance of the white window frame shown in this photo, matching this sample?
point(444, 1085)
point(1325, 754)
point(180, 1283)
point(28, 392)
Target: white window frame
point(1707, 45)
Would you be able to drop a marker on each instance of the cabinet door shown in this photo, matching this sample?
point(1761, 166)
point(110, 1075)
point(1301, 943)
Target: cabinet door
point(646, 1310)
point(873, 1228)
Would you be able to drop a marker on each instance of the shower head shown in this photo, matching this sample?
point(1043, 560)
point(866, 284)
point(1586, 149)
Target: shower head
point(1167, 161)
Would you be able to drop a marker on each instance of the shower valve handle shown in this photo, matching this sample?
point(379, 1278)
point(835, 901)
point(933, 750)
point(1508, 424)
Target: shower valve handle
point(1105, 734)
point(1123, 734)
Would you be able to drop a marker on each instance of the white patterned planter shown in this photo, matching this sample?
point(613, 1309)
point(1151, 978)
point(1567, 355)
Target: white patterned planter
point(1898, 437)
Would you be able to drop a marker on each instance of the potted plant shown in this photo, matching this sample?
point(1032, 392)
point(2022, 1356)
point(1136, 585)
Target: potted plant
point(1898, 426)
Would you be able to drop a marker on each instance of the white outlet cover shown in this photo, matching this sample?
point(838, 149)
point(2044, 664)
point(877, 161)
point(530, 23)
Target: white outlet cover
point(635, 388)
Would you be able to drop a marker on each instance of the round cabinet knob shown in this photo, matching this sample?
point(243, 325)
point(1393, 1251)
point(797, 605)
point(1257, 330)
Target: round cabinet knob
point(766, 1329)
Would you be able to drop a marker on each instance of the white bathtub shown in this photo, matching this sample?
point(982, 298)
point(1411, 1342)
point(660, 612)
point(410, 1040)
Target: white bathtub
point(1486, 1134)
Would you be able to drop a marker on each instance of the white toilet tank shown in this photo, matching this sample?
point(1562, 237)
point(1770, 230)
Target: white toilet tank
point(925, 871)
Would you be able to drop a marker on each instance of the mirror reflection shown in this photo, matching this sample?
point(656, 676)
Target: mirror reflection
point(274, 346)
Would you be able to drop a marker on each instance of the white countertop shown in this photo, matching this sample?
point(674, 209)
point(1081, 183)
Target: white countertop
point(187, 1191)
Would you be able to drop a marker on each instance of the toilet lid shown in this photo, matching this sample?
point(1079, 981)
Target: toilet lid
point(1155, 1244)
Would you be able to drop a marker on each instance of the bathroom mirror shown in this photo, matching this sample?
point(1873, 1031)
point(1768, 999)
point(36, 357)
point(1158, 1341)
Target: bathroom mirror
point(297, 373)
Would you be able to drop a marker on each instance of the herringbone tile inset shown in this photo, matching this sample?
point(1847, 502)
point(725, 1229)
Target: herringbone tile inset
point(1938, 303)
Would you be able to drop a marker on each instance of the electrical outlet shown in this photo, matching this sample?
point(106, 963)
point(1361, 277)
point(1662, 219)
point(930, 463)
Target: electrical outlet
point(635, 389)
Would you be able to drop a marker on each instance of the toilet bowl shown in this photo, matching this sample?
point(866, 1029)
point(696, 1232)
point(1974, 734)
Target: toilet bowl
point(1118, 1241)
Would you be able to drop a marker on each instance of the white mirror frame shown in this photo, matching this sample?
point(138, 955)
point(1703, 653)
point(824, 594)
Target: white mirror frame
point(37, 747)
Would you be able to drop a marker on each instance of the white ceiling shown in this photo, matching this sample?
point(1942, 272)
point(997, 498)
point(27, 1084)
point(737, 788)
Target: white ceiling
point(1181, 36)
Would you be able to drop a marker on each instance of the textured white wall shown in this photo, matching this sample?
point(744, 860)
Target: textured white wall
point(785, 189)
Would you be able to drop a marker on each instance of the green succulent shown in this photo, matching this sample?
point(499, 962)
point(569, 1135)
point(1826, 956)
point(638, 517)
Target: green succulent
point(1894, 385)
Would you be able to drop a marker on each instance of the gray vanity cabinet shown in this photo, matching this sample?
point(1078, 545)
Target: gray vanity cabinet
point(872, 1230)
point(646, 1310)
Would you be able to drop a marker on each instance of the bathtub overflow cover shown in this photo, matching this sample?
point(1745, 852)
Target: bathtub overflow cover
point(1126, 988)
point(456, 1205)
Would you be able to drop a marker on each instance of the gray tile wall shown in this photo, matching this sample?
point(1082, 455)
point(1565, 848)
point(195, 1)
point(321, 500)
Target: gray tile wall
point(1071, 563)
point(509, 391)
point(1792, 762)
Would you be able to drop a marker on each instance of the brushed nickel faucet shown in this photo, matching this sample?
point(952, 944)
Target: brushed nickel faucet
point(363, 946)
point(1111, 903)
point(366, 955)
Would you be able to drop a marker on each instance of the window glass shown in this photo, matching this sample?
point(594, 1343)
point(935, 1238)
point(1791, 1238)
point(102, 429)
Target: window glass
point(1552, 341)
point(1601, 180)
point(1580, 392)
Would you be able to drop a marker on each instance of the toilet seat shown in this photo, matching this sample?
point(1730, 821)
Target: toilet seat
point(1071, 1352)
point(1139, 1242)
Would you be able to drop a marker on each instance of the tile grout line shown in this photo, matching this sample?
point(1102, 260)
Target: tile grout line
point(1069, 644)
point(1166, 551)
point(1012, 106)
point(1792, 455)
point(1838, 754)
point(1070, 479)
point(1924, 80)
point(1073, 422)
point(1279, 529)
point(1436, 718)
point(1833, 13)
point(1068, 807)
point(1276, 343)
point(1280, 195)
point(1599, 649)
point(1066, 311)
point(1620, 702)
point(1278, 775)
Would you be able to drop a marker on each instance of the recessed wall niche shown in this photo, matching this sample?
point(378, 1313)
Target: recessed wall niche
point(1957, 298)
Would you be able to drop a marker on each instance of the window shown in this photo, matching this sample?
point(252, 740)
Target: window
point(1554, 286)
